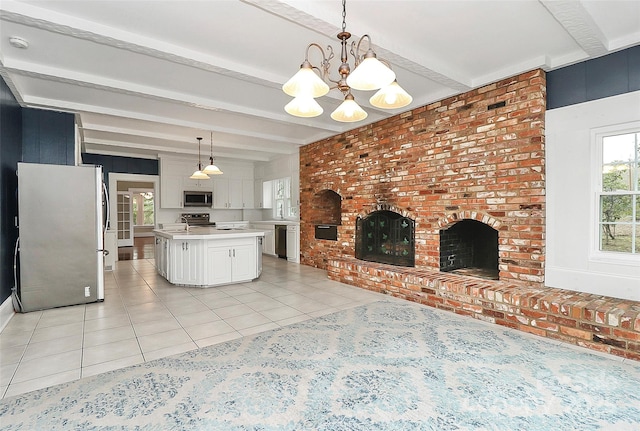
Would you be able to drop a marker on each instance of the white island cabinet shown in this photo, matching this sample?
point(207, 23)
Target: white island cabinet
point(205, 256)
point(231, 261)
point(184, 266)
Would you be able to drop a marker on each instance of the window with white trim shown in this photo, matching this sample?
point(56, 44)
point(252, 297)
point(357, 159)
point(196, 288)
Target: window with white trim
point(143, 214)
point(618, 193)
point(282, 198)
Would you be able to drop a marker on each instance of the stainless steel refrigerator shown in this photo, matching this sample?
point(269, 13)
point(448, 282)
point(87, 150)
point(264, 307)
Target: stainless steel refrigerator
point(60, 224)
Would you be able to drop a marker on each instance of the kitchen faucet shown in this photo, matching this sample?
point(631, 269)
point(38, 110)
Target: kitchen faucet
point(186, 222)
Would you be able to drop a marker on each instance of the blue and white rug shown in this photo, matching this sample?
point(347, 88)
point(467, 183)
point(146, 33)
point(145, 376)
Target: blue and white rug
point(389, 365)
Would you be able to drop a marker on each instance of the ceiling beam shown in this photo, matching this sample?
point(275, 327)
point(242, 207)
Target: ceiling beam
point(95, 144)
point(577, 22)
point(274, 147)
point(152, 93)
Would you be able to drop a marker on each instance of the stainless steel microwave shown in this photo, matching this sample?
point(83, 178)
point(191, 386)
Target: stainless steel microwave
point(198, 199)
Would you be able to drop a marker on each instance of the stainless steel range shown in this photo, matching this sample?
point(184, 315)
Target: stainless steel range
point(197, 219)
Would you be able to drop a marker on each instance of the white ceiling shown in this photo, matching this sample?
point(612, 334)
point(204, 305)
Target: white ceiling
point(148, 77)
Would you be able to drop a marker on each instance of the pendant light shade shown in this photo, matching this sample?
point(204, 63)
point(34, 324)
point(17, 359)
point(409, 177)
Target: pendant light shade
point(305, 83)
point(304, 106)
point(198, 174)
point(371, 74)
point(349, 111)
point(211, 169)
point(390, 97)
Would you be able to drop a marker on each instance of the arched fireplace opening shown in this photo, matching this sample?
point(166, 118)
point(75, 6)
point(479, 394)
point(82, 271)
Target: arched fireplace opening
point(386, 237)
point(470, 247)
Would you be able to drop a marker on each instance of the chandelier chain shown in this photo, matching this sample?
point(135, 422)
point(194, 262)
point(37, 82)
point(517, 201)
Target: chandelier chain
point(344, 15)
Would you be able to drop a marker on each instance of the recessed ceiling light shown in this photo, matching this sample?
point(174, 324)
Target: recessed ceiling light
point(18, 42)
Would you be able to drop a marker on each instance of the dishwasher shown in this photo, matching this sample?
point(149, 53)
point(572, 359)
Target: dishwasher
point(281, 240)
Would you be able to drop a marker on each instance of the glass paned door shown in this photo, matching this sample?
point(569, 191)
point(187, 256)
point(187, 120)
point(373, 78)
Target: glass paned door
point(125, 225)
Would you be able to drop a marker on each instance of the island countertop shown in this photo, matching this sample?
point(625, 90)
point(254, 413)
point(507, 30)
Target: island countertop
point(204, 232)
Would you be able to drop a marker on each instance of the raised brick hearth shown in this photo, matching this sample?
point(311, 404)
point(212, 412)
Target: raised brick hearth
point(604, 324)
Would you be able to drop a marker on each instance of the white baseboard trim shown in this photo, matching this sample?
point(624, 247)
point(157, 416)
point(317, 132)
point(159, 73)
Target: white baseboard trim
point(6, 312)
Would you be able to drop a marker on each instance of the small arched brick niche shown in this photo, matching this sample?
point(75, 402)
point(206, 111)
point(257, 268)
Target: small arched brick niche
point(326, 214)
point(470, 247)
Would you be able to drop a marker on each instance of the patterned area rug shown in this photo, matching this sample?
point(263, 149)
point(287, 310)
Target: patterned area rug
point(389, 365)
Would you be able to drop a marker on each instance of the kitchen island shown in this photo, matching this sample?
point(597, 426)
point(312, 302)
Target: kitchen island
point(205, 256)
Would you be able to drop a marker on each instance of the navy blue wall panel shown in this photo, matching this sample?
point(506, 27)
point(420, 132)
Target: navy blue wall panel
point(634, 69)
point(10, 153)
point(610, 75)
point(607, 76)
point(122, 165)
point(48, 137)
point(566, 86)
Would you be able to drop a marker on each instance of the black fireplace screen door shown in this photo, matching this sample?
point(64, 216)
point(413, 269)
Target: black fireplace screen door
point(386, 237)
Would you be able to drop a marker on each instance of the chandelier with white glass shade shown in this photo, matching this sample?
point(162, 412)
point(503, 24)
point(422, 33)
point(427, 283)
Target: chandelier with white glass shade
point(369, 73)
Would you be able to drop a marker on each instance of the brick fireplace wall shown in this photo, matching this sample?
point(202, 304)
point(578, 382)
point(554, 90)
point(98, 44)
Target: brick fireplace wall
point(478, 155)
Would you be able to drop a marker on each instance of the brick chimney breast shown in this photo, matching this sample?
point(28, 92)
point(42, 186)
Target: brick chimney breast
point(477, 155)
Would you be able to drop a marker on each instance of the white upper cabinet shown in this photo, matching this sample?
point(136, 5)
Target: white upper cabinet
point(235, 194)
point(248, 201)
point(172, 174)
point(232, 193)
point(294, 164)
point(221, 193)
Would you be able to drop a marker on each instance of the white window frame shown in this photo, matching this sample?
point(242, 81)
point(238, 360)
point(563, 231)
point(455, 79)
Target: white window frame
point(597, 137)
point(287, 209)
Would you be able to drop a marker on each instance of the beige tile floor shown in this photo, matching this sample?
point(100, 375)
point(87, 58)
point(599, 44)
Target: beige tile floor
point(143, 317)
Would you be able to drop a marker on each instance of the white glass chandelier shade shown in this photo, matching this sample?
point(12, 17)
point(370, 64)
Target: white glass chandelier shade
point(390, 97)
point(305, 83)
point(349, 111)
point(370, 74)
point(304, 106)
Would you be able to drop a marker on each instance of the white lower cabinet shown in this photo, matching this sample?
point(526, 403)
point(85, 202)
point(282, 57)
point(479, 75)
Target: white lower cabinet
point(162, 255)
point(185, 256)
point(268, 242)
point(243, 262)
point(218, 266)
point(293, 243)
point(231, 263)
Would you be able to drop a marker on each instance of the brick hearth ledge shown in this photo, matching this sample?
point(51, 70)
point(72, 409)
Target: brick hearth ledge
point(596, 322)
